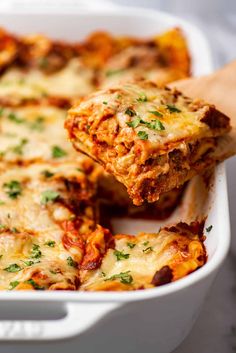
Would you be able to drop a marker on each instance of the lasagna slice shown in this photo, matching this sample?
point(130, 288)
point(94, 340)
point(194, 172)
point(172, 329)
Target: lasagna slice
point(162, 58)
point(151, 139)
point(148, 260)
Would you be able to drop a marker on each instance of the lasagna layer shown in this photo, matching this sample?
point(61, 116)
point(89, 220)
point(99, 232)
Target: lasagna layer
point(151, 139)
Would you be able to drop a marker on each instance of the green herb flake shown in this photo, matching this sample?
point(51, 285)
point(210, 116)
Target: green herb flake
point(113, 72)
point(1, 111)
point(50, 243)
point(172, 108)
point(103, 274)
point(208, 229)
point(15, 230)
point(15, 119)
point(148, 250)
point(155, 125)
point(2, 203)
point(49, 196)
point(13, 268)
point(29, 262)
point(134, 123)
point(142, 135)
point(18, 149)
point(155, 112)
point(34, 284)
point(53, 272)
point(38, 124)
point(36, 253)
point(130, 111)
point(71, 262)
point(58, 152)
point(146, 243)
point(142, 98)
point(131, 245)
point(13, 189)
point(43, 62)
point(80, 170)
point(104, 102)
point(120, 255)
point(13, 285)
point(47, 174)
point(2, 227)
point(1, 256)
point(124, 277)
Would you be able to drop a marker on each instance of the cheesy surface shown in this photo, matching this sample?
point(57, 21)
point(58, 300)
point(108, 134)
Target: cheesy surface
point(51, 196)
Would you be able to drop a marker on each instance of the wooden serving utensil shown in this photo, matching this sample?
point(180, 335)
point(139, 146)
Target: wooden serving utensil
point(219, 89)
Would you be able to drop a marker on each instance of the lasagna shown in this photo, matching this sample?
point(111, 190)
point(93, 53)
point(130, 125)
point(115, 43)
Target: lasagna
point(151, 139)
point(55, 203)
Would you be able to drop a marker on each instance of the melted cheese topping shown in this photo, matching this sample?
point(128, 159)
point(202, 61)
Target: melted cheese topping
point(47, 266)
point(31, 133)
point(150, 104)
point(142, 256)
point(72, 81)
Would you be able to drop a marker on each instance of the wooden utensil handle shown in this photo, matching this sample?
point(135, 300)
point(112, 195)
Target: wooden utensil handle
point(218, 88)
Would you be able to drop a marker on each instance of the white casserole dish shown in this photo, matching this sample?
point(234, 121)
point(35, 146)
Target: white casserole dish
point(157, 318)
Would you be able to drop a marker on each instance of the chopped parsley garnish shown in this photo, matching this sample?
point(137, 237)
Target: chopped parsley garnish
point(208, 229)
point(146, 243)
point(58, 152)
point(134, 123)
point(1, 256)
point(18, 149)
point(142, 98)
point(36, 253)
point(131, 245)
point(15, 230)
point(131, 112)
point(34, 284)
point(173, 108)
point(155, 112)
point(13, 189)
point(104, 102)
point(14, 118)
point(154, 125)
point(71, 262)
point(47, 174)
point(147, 250)
point(53, 272)
point(103, 274)
point(80, 170)
point(13, 284)
point(2, 203)
point(1, 111)
point(49, 196)
point(29, 262)
point(13, 268)
point(124, 277)
point(38, 124)
point(2, 226)
point(120, 255)
point(142, 135)
point(50, 243)
point(113, 72)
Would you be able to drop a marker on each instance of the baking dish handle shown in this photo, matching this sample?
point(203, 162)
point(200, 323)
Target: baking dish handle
point(79, 318)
